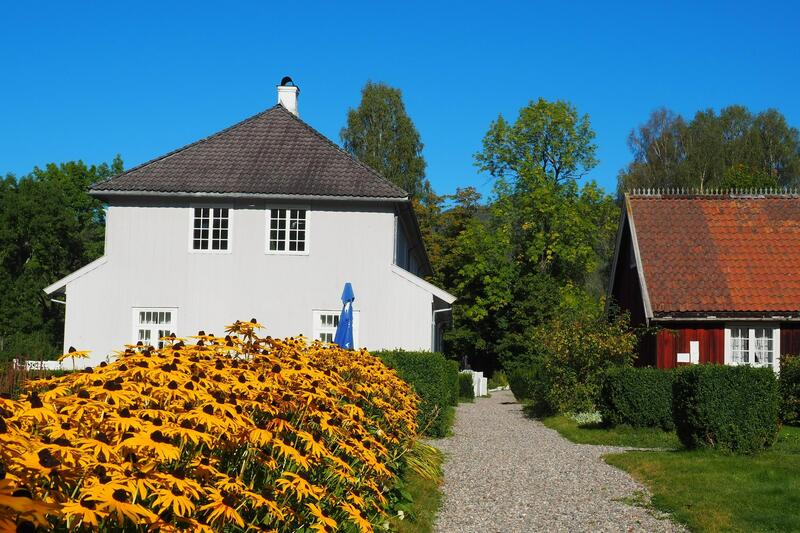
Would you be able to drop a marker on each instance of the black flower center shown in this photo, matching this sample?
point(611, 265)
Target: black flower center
point(47, 460)
point(36, 402)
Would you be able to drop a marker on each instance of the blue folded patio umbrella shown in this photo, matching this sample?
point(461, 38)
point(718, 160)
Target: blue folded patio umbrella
point(344, 331)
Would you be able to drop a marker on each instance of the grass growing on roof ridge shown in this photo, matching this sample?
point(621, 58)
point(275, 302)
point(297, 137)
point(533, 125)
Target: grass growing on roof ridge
point(712, 491)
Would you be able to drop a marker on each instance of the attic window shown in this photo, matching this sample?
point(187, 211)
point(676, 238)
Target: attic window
point(210, 229)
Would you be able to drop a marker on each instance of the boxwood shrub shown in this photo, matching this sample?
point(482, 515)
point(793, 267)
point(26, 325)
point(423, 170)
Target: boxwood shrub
point(638, 397)
point(435, 380)
point(466, 391)
point(522, 382)
point(730, 408)
point(789, 384)
point(455, 384)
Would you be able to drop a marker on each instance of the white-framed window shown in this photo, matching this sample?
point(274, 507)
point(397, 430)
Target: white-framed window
point(150, 324)
point(287, 230)
point(326, 328)
point(753, 344)
point(211, 229)
point(326, 322)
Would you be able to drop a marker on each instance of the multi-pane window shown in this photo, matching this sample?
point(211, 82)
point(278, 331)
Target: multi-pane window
point(740, 345)
point(763, 350)
point(210, 229)
point(153, 324)
point(287, 230)
point(755, 346)
point(326, 328)
point(326, 322)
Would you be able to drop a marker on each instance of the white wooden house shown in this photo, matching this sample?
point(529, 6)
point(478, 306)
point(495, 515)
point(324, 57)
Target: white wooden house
point(265, 219)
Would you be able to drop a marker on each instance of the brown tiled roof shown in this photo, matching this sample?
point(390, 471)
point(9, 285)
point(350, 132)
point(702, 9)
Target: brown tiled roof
point(271, 153)
point(719, 253)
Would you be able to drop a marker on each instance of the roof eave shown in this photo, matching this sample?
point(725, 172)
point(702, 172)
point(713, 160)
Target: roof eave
point(103, 194)
point(727, 316)
point(648, 309)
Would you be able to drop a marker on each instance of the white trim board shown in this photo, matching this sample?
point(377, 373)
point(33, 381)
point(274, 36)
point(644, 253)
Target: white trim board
point(419, 282)
point(648, 310)
point(63, 282)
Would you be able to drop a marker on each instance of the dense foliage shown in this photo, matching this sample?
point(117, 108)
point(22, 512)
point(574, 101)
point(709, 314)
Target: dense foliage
point(734, 148)
point(789, 384)
point(638, 397)
point(571, 359)
point(539, 247)
point(380, 133)
point(434, 379)
point(522, 381)
point(49, 227)
point(466, 389)
point(214, 434)
point(731, 408)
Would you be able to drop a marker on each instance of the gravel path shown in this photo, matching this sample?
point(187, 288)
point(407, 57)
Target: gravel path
point(504, 472)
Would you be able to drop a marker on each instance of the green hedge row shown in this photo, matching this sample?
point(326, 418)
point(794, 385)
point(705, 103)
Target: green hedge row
point(789, 383)
point(638, 397)
point(466, 391)
point(731, 408)
point(523, 382)
point(435, 380)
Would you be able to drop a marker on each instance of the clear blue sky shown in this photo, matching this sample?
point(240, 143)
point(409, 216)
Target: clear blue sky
point(86, 80)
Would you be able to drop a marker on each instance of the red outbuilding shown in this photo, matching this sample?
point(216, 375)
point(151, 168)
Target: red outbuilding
point(715, 278)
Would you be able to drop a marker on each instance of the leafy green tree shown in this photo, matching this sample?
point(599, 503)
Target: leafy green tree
point(49, 227)
point(381, 134)
point(732, 149)
point(542, 238)
point(548, 140)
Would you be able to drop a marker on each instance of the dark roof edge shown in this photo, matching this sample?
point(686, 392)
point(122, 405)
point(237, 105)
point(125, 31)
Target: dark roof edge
point(164, 194)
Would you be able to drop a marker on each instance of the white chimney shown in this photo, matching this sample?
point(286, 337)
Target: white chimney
point(287, 95)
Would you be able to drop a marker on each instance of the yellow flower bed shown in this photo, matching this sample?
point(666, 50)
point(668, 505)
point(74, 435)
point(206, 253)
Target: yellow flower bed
point(208, 434)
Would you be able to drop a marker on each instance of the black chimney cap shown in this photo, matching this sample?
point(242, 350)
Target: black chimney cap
point(287, 81)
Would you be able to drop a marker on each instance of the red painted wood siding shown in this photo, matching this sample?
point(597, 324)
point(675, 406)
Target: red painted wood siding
point(671, 342)
point(790, 339)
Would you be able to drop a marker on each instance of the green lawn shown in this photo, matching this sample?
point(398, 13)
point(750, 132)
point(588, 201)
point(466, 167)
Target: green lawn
point(618, 436)
point(710, 491)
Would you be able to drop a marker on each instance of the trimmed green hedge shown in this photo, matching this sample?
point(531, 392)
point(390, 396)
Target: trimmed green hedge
point(638, 397)
point(455, 384)
point(523, 382)
point(731, 408)
point(435, 380)
point(789, 384)
point(466, 391)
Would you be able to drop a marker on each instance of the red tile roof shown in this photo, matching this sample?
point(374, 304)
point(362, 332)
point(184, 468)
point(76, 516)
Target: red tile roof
point(719, 253)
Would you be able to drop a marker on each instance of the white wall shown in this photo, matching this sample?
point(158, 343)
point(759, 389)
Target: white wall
point(149, 264)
